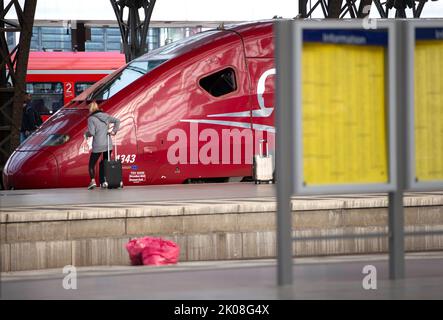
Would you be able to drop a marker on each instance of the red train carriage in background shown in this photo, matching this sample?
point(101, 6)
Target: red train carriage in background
point(55, 78)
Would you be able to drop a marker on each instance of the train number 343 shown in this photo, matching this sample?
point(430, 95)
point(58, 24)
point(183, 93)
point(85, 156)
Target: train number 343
point(126, 158)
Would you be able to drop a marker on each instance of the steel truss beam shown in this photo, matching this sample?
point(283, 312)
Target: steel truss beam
point(13, 65)
point(133, 30)
point(350, 9)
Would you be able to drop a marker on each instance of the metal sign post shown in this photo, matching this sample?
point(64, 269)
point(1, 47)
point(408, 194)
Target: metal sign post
point(286, 93)
point(395, 198)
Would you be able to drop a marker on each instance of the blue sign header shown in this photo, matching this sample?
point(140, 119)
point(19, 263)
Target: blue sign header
point(429, 34)
point(353, 37)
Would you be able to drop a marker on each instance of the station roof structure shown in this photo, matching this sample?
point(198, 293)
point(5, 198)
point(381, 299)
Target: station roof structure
point(167, 13)
point(178, 13)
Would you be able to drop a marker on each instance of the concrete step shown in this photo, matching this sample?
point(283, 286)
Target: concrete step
point(52, 236)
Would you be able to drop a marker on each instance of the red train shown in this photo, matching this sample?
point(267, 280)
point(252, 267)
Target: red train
point(55, 78)
point(196, 109)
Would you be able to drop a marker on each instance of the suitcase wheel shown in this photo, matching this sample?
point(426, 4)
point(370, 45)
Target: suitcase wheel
point(104, 185)
point(264, 181)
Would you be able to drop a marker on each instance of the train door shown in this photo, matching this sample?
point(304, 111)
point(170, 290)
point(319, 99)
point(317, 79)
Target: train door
point(262, 73)
point(213, 138)
point(259, 49)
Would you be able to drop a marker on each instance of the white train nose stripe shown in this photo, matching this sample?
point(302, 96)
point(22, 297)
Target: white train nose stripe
point(261, 113)
point(244, 125)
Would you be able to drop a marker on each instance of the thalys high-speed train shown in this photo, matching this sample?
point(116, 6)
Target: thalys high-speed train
point(194, 110)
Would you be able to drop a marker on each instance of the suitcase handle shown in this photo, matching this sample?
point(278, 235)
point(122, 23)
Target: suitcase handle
point(109, 154)
point(261, 147)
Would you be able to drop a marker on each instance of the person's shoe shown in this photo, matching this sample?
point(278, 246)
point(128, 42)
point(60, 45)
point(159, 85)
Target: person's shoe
point(92, 185)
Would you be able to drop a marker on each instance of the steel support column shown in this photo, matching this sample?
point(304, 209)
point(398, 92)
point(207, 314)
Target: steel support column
point(364, 8)
point(13, 66)
point(334, 8)
point(302, 8)
point(133, 30)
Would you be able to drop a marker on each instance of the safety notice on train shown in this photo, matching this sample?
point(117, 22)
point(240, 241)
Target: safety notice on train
point(137, 176)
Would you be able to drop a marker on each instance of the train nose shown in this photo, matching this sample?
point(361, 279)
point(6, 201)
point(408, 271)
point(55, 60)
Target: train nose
point(31, 170)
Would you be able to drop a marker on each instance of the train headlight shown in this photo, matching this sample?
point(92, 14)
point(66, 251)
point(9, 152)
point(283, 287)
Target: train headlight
point(55, 140)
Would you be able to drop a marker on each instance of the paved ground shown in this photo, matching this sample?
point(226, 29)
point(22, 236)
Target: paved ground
point(39, 197)
point(146, 194)
point(319, 278)
point(314, 278)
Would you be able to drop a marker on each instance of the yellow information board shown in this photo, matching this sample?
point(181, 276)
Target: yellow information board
point(344, 114)
point(428, 110)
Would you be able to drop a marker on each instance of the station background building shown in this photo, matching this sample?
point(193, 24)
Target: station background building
point(171, 20)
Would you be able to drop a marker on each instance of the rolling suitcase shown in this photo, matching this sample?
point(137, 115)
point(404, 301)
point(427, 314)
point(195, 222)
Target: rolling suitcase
point(263, 167)
point(110, 171)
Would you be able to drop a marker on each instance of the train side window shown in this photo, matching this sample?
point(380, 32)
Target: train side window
point(220, 83)
point(47, 97)
point(79, 87)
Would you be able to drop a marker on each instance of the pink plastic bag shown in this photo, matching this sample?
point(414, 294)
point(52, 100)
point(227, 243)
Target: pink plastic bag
point(152, 251)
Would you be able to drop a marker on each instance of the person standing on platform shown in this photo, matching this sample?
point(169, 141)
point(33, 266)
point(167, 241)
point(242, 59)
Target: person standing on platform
point(31, 119)
point(98, 129)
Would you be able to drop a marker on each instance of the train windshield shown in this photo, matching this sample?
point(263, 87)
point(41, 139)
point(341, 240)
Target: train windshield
point(132, 72)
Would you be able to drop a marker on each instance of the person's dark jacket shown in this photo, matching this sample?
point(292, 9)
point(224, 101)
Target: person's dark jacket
point(31, 119)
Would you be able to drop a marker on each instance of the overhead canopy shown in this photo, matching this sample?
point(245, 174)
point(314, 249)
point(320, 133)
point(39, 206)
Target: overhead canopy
point(170, 10)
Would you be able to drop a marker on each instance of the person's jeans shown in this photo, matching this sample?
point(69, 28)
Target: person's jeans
point(93, 158)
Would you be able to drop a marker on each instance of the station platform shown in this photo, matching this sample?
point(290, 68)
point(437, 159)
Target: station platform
point(337, 277)
point(133, 195)
point(44, 229)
